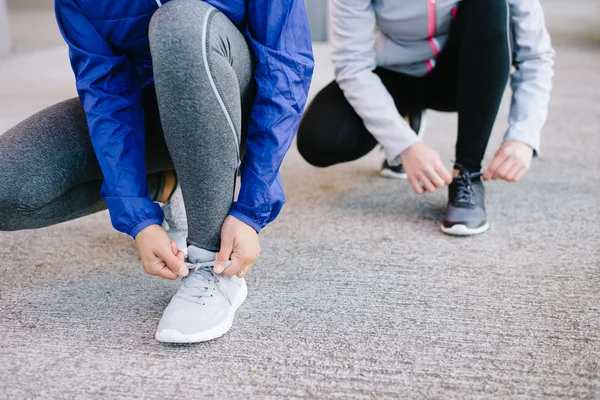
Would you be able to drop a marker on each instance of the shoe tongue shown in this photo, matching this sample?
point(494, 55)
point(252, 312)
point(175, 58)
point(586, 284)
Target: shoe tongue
point(197, 255)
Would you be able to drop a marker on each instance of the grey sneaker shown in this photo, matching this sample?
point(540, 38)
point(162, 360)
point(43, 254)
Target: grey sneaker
point(175, 219)
point(205, 304)
point(465, 214)
point(416, 120)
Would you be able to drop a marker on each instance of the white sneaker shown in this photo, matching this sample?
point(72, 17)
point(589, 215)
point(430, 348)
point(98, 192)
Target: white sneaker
point(205, 304)
point(176, 219)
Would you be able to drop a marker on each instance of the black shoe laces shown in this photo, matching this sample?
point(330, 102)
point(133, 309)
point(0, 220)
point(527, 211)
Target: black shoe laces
point(464, 185)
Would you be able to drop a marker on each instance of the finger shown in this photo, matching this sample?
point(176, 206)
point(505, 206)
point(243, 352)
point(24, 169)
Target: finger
point(179, 253)
point(223, 256)
point(427, 185)
point(174, 263)
point(174, 247)
point(435, 178)
point(246, 269)
point(237, 264)
point(414, 182)
point(443, 173)
point(160, 269)
point(510, 175)
point(491, 169)
point(520, 174)
point(165, 272)
point(242, 271)
point(501, 171)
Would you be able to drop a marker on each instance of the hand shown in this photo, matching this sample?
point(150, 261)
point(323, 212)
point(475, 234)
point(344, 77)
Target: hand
point(159, 255)
point(239, 243)
point(424, 168)
point(510, 163)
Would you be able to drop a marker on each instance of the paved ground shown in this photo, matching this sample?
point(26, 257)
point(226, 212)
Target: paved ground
point(357, 293)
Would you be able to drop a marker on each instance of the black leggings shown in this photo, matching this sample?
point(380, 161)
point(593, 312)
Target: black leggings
point(470, 77)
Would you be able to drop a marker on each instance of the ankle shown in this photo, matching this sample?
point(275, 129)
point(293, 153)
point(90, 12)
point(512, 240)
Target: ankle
point(459, 168)
point(170, 183)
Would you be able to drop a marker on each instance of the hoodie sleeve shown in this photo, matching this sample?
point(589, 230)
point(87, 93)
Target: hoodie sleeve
point(532, 80)
point(110, 94)
point(280, 39)
point(353, 52)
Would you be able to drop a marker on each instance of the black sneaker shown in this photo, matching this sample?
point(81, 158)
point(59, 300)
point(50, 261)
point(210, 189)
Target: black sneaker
point(465, 214)
point(416, 120)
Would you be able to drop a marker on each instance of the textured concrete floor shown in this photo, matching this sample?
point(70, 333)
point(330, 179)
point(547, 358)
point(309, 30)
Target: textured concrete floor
point(357, 293)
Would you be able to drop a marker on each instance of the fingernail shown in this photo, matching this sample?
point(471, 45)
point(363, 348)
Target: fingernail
point(218, 268)
point(183, 272)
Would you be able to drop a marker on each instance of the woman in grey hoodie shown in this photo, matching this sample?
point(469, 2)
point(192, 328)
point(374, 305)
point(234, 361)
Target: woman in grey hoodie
point(394, 59)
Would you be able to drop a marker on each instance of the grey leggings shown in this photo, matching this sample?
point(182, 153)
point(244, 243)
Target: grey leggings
point(49, 172)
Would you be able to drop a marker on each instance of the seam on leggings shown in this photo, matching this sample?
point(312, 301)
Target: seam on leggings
point(207, 65)
point(508, 38)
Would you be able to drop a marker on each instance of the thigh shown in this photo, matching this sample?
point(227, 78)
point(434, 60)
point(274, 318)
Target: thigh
point(409, 92)
point(442, 82)
point(50, 153)
point(331, 132)
point(46, 155)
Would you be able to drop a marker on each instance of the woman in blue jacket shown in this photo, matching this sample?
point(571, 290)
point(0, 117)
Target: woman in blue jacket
point(203, 88)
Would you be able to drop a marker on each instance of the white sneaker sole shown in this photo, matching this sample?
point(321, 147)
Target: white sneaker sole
point(388, 173)
point(173, 336)
point(462, 230)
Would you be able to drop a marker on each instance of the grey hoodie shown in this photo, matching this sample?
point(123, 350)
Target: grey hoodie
point(405, 36)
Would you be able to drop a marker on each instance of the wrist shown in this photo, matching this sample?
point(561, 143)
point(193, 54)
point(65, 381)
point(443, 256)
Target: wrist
point(238, 216)
point(143, 226)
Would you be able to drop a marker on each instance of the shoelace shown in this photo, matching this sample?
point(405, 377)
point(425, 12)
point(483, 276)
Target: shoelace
point(464, 185)
point(199, 283)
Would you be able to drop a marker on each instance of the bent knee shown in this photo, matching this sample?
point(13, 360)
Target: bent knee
point(178, 23)
point(10, 216)
point(490, 19)
point(18, 206)
point(313, 150)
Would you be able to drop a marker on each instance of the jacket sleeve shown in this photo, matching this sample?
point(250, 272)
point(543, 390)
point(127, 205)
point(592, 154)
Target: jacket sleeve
point(280, 39)
point(533, 58)
point(353, 53)
point(110, 94)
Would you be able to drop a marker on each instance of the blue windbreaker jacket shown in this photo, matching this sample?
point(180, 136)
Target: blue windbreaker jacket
point(110, 55)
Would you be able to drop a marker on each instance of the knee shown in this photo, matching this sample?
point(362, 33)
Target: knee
point(177, 25)
point(9, 214)
point(311, 146)
point(18, 202)
point(489, 20)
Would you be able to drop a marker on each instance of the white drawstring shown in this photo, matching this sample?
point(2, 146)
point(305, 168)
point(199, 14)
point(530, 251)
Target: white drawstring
point(159, 3)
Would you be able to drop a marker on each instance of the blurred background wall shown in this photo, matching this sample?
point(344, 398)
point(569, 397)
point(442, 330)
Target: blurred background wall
point(30, 23)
